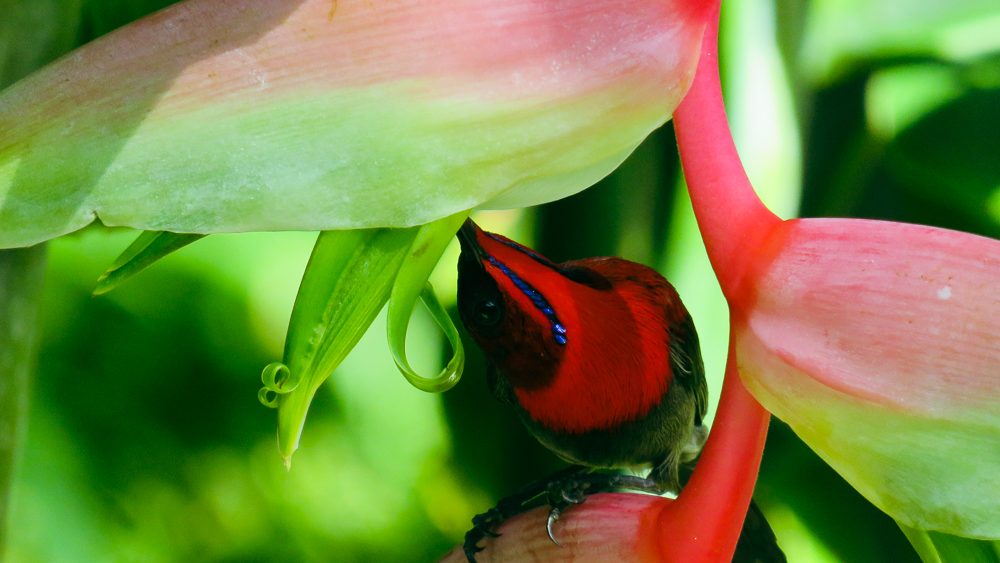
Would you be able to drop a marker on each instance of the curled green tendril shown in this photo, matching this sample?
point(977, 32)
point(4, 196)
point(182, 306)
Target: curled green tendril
point(411, 283)
point(278, 380)
point(267, 397)
point(452, 372)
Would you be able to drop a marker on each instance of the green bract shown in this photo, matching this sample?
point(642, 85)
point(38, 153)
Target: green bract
point(350, 276)
point(347, 282)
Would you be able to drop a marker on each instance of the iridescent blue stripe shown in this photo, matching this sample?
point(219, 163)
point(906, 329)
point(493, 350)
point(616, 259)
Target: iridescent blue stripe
point(558, 329)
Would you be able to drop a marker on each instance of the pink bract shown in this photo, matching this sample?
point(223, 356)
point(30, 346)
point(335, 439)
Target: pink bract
point(878, 342)
point(223, 116)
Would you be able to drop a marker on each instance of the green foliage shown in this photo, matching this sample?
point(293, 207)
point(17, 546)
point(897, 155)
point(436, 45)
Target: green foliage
point(346, 284)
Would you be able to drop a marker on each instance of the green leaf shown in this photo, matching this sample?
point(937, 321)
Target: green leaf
point(149, 247)
point(346, 283)
point(411, 283)
point(949, 157)
point(937, 547)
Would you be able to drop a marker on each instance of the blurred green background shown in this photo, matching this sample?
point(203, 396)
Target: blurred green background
point(146, 441)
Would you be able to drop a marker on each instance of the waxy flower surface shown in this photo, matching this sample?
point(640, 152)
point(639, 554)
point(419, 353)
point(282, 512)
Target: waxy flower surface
point(878, 343)
point(316, 115)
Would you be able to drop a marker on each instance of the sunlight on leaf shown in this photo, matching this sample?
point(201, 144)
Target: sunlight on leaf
point(842, 34)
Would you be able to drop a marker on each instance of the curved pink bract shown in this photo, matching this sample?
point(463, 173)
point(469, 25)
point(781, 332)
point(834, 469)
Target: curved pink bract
point(607, 527)
point(875, 341)
point(899, 315)
point(249, 115)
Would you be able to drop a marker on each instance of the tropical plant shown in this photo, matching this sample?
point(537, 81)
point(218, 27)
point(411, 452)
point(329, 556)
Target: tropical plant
point(875, 342)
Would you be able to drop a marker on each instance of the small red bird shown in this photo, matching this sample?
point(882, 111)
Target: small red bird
point(598, 356)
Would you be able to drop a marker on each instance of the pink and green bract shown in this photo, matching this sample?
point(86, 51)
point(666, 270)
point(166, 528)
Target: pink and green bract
point(317, 115)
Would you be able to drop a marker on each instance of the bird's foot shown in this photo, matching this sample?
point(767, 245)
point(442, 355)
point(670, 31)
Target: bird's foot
point(561, 491)
point(571, 490)
point(562, 494)
point(483, 525)
point(486, 524)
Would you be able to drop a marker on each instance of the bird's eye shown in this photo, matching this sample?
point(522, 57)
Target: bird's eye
point(487, 313)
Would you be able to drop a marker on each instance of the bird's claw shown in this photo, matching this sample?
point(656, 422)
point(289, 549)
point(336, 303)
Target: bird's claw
point(488, 521)
point(568, 488)
point(561, 494)
point(483, 525)
point(553, 517)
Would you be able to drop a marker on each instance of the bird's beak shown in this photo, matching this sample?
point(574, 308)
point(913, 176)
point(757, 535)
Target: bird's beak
point(467, 239)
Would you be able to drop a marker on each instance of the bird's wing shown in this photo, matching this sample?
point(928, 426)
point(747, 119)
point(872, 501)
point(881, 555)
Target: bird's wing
point(688, 368)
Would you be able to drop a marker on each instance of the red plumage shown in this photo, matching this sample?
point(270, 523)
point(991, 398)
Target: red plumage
point(598, 356)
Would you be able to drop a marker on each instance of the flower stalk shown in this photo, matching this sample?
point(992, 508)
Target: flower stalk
point(716, 498)
point(704, 523)
point(723, 199)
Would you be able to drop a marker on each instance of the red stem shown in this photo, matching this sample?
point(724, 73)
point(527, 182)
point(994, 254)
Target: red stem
point(704, 523)
point(706, 519)
point(732, 219)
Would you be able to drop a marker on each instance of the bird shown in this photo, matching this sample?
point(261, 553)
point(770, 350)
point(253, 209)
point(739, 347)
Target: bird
point(599, 358)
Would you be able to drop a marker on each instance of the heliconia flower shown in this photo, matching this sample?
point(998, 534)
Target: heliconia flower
point(877, 342)
point(320, 115)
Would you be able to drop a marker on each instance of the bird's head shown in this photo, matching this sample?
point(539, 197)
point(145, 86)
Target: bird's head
point(514, 303)
point(585, 344)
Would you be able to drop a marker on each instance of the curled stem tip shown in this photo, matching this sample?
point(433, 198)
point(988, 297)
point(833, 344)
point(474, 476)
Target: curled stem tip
point(278, 380)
